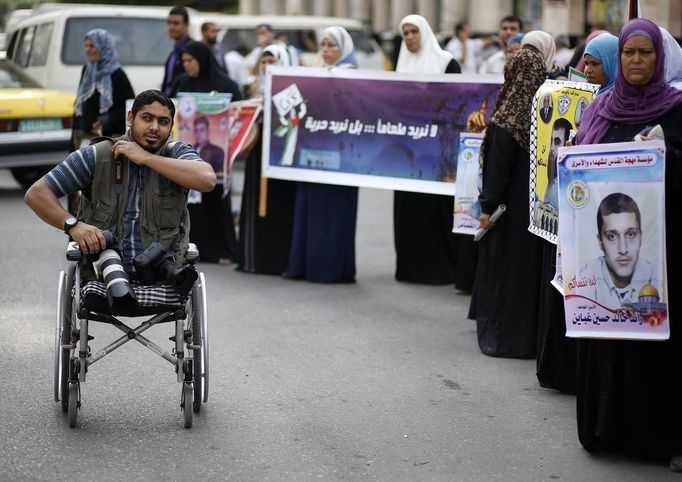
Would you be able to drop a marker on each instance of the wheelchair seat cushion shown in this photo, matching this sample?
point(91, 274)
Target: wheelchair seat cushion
point(151, 298)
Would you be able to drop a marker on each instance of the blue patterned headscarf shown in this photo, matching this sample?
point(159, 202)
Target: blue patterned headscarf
point(342, 38)
point(604, 48)
point(97, 76)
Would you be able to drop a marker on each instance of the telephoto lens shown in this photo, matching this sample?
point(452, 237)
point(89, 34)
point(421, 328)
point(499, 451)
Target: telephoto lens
point(109, 268)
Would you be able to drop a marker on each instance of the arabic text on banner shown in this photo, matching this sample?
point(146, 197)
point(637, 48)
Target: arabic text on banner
point(612, 229)
point(371, 129)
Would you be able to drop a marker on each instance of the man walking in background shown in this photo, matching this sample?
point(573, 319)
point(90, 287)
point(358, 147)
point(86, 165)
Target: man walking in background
point(178, 27)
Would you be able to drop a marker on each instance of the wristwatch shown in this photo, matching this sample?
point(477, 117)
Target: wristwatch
point(69, 223)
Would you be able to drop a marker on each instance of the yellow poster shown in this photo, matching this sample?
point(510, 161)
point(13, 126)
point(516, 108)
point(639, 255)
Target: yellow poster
point(557, 112)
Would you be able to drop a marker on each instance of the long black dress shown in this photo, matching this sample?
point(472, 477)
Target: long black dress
point(556, 357)
point(629, 392)
point(504, 301)
point(264, 242)
point(427, 252)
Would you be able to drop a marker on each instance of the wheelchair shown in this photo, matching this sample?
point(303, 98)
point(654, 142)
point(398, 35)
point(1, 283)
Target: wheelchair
point(77, 305)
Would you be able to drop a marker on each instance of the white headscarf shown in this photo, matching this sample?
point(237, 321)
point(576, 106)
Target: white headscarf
point(279, 52)
point(430, 59)
point(673, 59)
point(544, 43)
point(342, 38)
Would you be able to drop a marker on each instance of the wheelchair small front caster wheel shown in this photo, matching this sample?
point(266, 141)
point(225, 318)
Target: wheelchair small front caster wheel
point(74, 404)
point(187, 399)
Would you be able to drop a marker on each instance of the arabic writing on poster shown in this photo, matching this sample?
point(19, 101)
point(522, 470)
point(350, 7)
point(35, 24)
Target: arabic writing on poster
point(590, 315)
point(355, 127)
point(606, 161)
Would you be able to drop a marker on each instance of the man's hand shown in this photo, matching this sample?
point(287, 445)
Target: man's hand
point(131, 150)
point(484, 219)
point(89, 238)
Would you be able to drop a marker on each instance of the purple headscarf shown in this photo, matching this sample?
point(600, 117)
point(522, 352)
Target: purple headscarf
point(626, 103)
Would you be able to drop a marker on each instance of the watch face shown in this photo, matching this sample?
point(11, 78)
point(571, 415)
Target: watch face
point(71, 221)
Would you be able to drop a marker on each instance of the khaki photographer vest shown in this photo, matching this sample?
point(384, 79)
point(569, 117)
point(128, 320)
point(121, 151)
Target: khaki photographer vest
point(163, 213)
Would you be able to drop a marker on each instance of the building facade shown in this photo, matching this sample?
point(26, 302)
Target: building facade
point(568, 17)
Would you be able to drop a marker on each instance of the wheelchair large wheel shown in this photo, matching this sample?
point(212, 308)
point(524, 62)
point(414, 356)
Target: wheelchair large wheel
point(200, 338)
point(63, 336)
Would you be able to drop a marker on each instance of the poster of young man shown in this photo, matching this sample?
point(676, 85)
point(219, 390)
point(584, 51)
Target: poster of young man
point(557, 109)
point(612, 230)
point(467, 208)
point(371, 128)
point(203, 120)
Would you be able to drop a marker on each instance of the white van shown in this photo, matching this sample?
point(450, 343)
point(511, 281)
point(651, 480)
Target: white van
point(49, 46)
point(301, 31)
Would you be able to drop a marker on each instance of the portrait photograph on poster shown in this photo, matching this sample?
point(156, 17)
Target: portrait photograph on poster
point(612, 232)
point(557, 110)
point(371, 128)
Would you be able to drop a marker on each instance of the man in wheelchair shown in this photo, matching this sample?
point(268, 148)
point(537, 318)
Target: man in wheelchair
point(133, 230)
point(132, 221)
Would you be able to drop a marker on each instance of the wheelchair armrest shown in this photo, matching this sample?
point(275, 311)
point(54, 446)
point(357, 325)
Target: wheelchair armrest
point(192, 255)
point(73, 251)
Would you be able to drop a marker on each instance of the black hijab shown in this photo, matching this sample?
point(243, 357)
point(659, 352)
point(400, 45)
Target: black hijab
point(210, 76)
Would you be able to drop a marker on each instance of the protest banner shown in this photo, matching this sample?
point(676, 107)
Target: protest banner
point(612, 230)
point(468, 184)
point(371, 128)
point(557, 110)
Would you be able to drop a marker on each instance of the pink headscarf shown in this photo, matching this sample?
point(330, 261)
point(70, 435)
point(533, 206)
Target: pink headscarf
point(581, 63)
point(626, 103)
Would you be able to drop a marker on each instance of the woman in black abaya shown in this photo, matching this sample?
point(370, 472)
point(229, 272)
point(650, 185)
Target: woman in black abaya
point(212, 227)
point(504, 301)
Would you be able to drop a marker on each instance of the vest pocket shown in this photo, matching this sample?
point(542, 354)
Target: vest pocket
point(101, 214)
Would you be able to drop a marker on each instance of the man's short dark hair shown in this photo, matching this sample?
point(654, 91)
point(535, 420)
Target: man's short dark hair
point(513, 19)
point(266, 25)
point(149, 97)
point(182, 11)
point(459, 26)
point(201, 120)
point(616, 203)
point(564, 124)
point(206, 25)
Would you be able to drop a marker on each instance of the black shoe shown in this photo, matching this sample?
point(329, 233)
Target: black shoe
point(676, 463)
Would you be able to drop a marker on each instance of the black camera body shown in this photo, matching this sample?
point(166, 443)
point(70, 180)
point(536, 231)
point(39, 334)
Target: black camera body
point(120, 295)
point(157, 263)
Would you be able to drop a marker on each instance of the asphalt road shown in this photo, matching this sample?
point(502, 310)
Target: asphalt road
point(377, 380)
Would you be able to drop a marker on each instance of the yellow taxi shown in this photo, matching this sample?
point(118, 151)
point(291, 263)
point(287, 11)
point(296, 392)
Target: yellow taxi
point(35, 125)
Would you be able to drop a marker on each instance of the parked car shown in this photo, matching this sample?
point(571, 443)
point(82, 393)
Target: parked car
point(49, 46)
point(35, 125)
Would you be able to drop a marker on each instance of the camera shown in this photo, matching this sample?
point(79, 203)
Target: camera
point(157, 263)
point(108, 267)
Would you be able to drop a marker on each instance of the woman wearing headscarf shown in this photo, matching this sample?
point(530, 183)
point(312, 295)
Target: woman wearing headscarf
point(265, 237)
point(601, 61)
point(212, 226)
point(629, 392)
point(102, 91)
point(673, 59)
point(323, 242)
point(543, 43)
point(505, 310)
point(426, 249)
point(205, 75)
